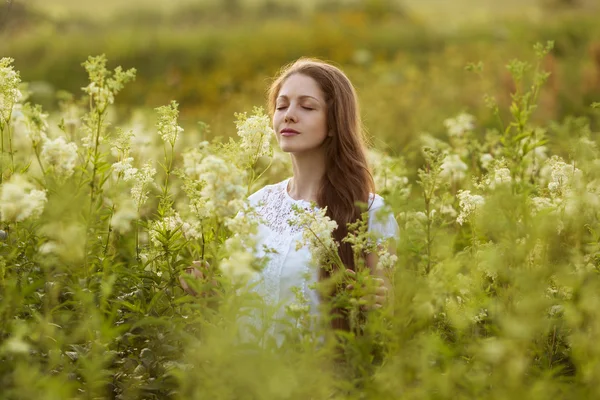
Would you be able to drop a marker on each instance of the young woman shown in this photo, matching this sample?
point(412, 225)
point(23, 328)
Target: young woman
point(316, 119)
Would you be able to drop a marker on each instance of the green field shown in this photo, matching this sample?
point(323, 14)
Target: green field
point(484, 122)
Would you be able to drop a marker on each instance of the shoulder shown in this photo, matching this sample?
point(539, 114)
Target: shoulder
point(375, 202)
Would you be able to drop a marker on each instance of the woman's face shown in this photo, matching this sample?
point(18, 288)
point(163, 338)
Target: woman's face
point(300, 118)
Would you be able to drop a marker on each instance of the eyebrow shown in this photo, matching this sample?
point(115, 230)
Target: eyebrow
point(305, 96)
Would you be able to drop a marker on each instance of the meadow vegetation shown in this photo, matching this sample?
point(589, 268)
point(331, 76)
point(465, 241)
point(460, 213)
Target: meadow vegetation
point(485, 148)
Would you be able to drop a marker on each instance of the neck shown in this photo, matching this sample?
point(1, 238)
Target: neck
point(308, 175)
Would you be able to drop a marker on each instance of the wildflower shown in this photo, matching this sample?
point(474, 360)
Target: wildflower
point(459, 125)
point(448, 210)
point(562, 175)
point(223, 186)
point(121, 144)
point(124, 214)
point(9, 92)
point(485, 160)
point(171, 223)
point(19, 200)
point(256, 133)
point(386, 260)
point(36, 122)
point(142, 178)
point(468, 204)
point(317, 233)
point(541, 203)
point(167, 126)
point(125, 169)
point(498, 177)
point(388, 173)
point(105, 85)
point(59, 154)
point(238, 266)
point(453, 168)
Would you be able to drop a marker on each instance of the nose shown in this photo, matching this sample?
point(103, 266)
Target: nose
point(290, 115)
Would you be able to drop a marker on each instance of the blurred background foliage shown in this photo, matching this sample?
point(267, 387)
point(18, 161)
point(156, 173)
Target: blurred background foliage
point(407, 58)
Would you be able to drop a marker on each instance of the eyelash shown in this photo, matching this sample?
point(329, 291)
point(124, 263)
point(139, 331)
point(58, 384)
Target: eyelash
point(306, 108)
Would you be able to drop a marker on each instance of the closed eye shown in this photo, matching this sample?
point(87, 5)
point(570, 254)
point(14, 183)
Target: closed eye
point(308, 108)
point(281, 108)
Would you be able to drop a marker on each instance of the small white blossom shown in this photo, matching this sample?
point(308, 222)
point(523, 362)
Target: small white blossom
point(125, 169)
point(143, 178)
point(167, 126)
point(256, 133)
point(9, 92)
point(562, 176)
point(468, 204)
point(223, 186)
point(486, 160)
point(386, 260)
point(60, 155)
point(317, 233)
point(453, 168)
point(19, 200)
point(459, 125)
point(124, 214)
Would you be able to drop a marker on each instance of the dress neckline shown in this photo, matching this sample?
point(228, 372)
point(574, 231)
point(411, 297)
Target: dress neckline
point(284, 188)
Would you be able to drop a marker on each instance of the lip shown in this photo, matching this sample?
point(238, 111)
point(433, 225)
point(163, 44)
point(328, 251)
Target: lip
point(288, 132)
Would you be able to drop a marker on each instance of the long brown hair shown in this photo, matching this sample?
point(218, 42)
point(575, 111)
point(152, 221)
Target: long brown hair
point(347, 181)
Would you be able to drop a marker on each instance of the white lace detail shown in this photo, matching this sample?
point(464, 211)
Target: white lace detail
point(274, 206)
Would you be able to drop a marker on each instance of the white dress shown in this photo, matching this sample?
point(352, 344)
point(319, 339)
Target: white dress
point(287, 268)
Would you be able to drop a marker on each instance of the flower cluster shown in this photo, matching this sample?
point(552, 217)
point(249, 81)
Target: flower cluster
point(36, 123)
point(469, 203)
point(223, 185)
point(9, 92)
point(59, 155)
point(459, 125)
point(388, 174)
point(255, 133)
point(141, 180)
point(563, 176)
point(317, 234)
point(103, 85)
point(167, 126)
point(172, 224)
point(453, 168)
point(19, 200)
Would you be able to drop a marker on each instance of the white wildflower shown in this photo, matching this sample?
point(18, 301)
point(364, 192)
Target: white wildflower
point(453, 168)
point(468, 204)
point(317, 233)
point(256, 133)
point(167, 126)
point(124, 214)
point(124, 168)
point(485, 160)
point(172, 224)
point(459, 125)
point(223, 186)
point(238, 266)
point(60, 155)
point(143, 178)
point(562, 176)
point(36, 123)
point(9, 92)
point(499, 177)
point(541, 203)
point(448, 210)
point(19, 200)
point(386, 261)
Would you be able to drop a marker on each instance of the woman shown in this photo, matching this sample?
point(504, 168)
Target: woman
point(316, 119)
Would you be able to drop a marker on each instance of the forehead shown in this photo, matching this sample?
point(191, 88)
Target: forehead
point(300, 85)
